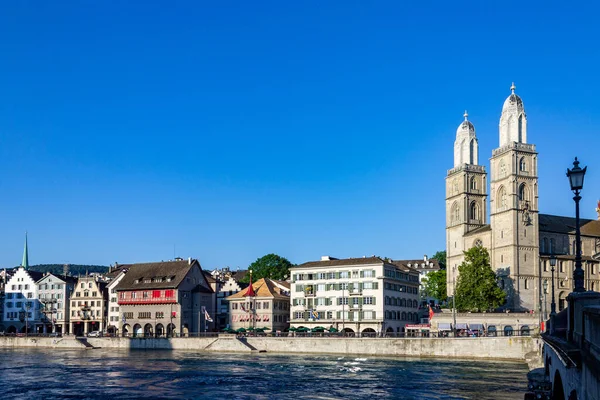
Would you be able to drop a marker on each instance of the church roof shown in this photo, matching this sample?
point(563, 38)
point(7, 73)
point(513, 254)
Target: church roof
point(513, 100)
point(566, 225)
point(478, 230)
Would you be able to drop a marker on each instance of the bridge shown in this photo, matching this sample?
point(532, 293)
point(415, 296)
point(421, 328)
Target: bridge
point(571, 349)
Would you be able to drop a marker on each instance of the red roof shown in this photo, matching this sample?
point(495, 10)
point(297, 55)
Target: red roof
point(250, 291)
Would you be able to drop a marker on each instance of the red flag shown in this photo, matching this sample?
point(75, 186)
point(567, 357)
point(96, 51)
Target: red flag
point(430, 314)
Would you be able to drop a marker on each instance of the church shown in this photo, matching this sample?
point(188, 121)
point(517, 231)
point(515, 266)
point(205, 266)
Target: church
point(519, 239)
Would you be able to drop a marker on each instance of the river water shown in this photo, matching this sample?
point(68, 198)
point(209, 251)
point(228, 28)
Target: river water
point(156, 374)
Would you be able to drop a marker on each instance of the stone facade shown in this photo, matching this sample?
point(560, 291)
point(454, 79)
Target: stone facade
point(519, 239)
point(164, 299)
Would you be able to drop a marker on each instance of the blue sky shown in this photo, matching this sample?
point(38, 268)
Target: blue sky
point(133, 131)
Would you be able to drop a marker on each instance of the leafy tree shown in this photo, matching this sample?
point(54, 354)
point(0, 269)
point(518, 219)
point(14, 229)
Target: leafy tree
point(74, 269)
point(476, 287)
point(270, 266)
point(434, 285)
point(440, 256)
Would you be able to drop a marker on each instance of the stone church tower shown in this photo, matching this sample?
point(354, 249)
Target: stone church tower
point(514, 207)
point(466, 193)
point(512, 235)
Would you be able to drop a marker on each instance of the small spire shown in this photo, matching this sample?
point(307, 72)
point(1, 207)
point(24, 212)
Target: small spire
point(512, 88)
point(466, 114)
point(25, 262)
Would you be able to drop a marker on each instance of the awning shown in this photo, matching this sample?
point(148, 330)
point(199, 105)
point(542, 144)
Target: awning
point(460, 325)
point(476, 327)
point(443, 326)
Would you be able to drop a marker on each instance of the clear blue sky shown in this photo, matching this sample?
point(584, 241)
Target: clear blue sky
point(235, 129)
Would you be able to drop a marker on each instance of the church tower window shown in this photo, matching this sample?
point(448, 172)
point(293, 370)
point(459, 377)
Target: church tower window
point(522, 165)
point(455, 213)
point(474, 211)
point(501, 197)
point(473, 183)
point(523, 193)
point(502, 169)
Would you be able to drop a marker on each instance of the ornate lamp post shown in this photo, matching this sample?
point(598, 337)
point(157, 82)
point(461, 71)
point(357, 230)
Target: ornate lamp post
point(552, 304)
point(576, 175)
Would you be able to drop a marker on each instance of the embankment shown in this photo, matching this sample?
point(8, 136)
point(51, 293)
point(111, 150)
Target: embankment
point(515, 348)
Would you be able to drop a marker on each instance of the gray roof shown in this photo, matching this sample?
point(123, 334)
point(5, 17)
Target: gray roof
point(171, 272)
point(334, 262)
point(566, 225)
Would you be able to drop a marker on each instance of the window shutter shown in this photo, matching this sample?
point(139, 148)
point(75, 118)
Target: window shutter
point(360, 286)
point(350, 286)
point(337, 275)
point(362, 274)
point(338, 315)
point(373, 301)
point(360, 301)
point(375, 285)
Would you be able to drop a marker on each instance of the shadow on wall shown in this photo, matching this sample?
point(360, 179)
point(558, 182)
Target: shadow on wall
point(513, 300)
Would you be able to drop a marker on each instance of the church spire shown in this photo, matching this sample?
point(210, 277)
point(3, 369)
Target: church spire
point(25, 262)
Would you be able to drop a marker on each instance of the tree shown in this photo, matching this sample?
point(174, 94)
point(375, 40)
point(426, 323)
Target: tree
point(270, 266)
point(440, 256)
point(434, 285)
point(476, 287)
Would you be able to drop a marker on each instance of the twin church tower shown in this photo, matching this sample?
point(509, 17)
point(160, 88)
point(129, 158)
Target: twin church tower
point(512, 233)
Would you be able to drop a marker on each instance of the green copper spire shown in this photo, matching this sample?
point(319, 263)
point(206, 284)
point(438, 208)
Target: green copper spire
point(25, 263)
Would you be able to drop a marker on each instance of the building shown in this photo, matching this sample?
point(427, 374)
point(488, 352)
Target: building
point(54, 292)
point(115, 321)
point(264, 304)
point(227, 283)
point(21, 303)
point(518, 238)
point(367, 295)
point(88, 306)
point(165, 299)
point(425, 267)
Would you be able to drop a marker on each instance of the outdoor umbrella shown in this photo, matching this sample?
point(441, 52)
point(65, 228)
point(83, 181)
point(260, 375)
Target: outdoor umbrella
point(333, 330)
point(241, 330)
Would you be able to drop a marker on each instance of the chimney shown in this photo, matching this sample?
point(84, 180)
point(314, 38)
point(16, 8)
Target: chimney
point(325, 258)
point(598, 209)
point(190, 260)
point(425, 258)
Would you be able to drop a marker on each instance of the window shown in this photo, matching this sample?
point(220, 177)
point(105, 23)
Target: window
point(501, 199)
point(473, 184)
point(94, 294)
point(455, 212)
point(30, 295)
point(145, 315)
point(90, 285)
point(159, 315)
point(562, 266)
point(474, 211)
point(522, 165)
point(502, 169)
point(344, 275)
point(478, 243)
point(526, 283)
point(523, 193)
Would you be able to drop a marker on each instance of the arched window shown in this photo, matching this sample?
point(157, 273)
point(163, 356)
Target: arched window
point(521, 130)
point(473, 183)
point(526, 284)
point(455, 212)
point(474, 211)
point(472, 152)
point(523, 193)
point(501, 198)
point(522, 165)
point(502, 169)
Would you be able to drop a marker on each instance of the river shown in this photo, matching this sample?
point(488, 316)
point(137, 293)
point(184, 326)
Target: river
point(155, 374)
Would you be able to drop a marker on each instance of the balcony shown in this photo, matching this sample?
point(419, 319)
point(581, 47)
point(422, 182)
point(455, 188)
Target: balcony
point(355, 292)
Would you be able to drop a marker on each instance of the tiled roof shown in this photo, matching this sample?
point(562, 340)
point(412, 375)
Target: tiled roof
point(566, 225)
point(264, 288)
point(340, 263)
point(171, 274)
point(417, 264)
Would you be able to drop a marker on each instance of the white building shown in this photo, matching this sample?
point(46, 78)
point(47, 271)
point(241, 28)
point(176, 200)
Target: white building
point(115, 320)
point(367, 295)
point(54, 292)
point(22, 306)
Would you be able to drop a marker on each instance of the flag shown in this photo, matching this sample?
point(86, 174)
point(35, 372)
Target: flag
point(314, 314)
point(243, 308)
point(430, 314)
point(206, 316)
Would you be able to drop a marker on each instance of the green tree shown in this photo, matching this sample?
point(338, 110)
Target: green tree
point(270, 266)
point(434, 285)
point(476, 287)
point(440, 256)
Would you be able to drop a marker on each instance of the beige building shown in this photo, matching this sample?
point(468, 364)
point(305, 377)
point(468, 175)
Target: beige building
point(518, 238)
point(264, 304)
point(88, 306)
point(367, 295)
point(164, 299)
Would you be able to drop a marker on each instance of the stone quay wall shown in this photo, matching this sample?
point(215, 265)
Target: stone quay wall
point(489, 348)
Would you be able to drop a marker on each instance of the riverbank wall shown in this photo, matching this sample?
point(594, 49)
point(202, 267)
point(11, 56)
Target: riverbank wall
point(517, 348)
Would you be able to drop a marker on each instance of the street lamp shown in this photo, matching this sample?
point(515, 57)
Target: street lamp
point(545, 291)
point(454, 299)
point(552, 304)
point(576, 175)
